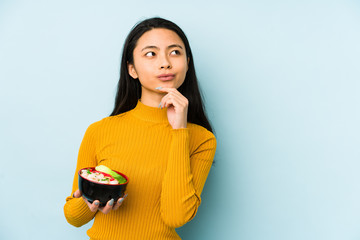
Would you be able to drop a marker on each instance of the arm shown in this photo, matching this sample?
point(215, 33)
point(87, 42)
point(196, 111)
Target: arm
point(185, 177)
point(76, 211)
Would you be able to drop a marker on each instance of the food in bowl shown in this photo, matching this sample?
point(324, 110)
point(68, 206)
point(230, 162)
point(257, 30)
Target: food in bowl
point(97, 176)
point(101, 183)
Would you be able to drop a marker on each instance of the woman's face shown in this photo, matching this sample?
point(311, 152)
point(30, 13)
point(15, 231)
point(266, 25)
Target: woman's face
point(159, 60)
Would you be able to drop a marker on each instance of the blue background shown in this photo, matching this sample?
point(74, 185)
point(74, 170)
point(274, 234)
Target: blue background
point(281, 86)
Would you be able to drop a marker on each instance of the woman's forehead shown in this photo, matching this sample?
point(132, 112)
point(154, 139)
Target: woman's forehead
point(159, 37)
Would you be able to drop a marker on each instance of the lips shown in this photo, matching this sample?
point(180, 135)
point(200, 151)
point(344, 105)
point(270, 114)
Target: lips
point(166, 77)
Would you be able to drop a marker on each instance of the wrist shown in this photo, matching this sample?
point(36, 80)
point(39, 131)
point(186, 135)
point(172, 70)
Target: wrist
point(180, 127)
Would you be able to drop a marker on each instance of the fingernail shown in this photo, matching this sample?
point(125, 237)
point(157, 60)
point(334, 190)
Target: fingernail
point(158, 88)
point(122, 199)
point(111, 202)
point(159, 105)
point(96, 203)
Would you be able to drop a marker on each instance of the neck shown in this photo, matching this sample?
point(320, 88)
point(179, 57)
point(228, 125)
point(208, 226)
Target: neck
point(148, 113)
point(151, 98)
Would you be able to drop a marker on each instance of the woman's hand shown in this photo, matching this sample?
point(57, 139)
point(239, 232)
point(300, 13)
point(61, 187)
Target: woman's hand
point(95, 205)
point(177, 107)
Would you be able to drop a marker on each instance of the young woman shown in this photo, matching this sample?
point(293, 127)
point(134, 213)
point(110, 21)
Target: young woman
point(158, 135)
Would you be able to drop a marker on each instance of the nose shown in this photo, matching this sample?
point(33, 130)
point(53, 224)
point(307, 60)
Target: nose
point(165, 63)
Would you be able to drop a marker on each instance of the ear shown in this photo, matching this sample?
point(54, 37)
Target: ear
point(188, 60)
point(132, 70)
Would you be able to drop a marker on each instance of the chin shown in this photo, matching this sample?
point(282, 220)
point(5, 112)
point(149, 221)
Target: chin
point(168, 84)
point(171, 84)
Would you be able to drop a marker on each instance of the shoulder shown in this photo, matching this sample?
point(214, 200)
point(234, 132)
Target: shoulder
point(202, 141)
point(105, 123)
point(199, 130)
point(199, 134)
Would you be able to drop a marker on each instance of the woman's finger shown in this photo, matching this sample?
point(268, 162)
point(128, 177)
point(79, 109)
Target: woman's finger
point(77, 194)
point(173, 91)
point(163, 89)
point(179, 104)
point(94, 206)
point(108, 207)
point(119, 202)
point(175, 95)
point(174, 98)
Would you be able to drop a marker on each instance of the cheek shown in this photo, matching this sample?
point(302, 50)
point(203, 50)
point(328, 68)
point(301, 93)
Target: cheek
point(183, 67)
point(146, 71)
point(142, 68)
point(182, 70)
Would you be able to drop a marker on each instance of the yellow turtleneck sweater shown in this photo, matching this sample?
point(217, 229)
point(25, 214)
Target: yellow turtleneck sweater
point(167, 170)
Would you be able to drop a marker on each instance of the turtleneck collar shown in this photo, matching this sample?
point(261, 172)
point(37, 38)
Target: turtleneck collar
point(147, 113)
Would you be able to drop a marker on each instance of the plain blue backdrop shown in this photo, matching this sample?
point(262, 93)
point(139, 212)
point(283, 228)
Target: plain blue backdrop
point(281, 82)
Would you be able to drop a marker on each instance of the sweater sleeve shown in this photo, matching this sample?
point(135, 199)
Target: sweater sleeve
point(76, 211)
point(185, 177)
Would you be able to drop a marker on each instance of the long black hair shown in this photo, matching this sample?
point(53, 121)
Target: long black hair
point(129, 89)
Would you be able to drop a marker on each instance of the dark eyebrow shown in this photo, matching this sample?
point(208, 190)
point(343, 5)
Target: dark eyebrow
point(174, 45)
point(170, 46)
point(149, 47)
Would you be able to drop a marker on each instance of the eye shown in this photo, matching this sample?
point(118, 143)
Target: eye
point(150, 54)
point(175, 52)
